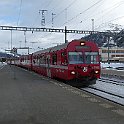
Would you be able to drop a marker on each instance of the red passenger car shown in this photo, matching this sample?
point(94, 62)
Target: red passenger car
point(26, 61)
point(76, 62)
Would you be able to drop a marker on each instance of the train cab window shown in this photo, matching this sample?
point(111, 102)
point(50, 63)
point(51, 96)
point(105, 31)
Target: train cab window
point(91, 57)
point(75, 58)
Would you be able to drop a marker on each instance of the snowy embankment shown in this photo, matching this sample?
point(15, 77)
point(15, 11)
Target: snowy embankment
point(118, 66)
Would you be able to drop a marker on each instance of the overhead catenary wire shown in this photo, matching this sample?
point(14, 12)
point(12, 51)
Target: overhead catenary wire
point(82, 12)
point(46, 4)
point(111, 21)
point(19, 16)
point(60, 13)
point(108, 10)
point(57, 13)
point(49, 3)
point(65, 8)
point(20, 8)
point(104, 13)
point(38, 16)
point(72, 4)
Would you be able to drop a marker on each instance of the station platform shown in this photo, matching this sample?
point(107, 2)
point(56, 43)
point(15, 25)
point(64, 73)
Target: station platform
point(28, 98)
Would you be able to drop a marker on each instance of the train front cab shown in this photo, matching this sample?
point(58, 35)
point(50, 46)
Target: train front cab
point(83, 63)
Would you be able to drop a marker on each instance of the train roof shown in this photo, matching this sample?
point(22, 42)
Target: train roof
point(51, 49)
point(55, 48)
point(59, 47)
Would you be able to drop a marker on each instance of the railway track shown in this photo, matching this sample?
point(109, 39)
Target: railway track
point(119, 99)
point(109, 89)
point(112, 81)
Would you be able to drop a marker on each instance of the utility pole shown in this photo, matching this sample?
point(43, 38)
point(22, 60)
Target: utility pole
point(11, 39)
point(92, 24)
point(25, 38)
point(66, 34)
point(53, 18)
point(43, 17)
point(66, 26)
point(108, 50)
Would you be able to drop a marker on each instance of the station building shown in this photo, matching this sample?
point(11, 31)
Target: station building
point(115, 54)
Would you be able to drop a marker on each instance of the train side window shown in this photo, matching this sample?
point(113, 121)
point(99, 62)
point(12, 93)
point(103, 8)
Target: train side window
point(63, 58)
point(42, 59)
point(63, 54)
point(34, 61)
point(54, 59)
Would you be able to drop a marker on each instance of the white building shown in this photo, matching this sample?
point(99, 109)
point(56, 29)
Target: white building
point(115, 54)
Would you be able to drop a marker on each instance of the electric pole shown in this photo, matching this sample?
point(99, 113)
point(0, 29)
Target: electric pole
point(25, 38)
point(66, 34)
point(53, 18)
point(92, 24)
point(42, 12)
point(11, 39)
point(108, 38)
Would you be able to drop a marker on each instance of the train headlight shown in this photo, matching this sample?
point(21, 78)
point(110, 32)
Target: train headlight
point(85, 69)
point(96, 72)
point(82, 43)
point(73, 72)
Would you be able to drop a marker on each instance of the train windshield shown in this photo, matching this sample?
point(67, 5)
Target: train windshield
point(76, 58)
point(91, 58)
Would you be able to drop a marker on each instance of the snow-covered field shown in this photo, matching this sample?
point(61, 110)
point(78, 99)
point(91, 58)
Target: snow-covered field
point(113, 65)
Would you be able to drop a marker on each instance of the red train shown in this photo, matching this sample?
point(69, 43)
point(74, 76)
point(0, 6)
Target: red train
point(77, 62)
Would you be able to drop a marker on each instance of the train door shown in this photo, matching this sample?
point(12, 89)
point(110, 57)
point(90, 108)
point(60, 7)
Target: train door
point(48, 66)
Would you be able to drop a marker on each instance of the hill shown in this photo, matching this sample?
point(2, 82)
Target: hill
point(5, 55)
point(101, 39)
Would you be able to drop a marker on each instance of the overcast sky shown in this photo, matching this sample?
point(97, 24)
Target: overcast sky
point(75, 14)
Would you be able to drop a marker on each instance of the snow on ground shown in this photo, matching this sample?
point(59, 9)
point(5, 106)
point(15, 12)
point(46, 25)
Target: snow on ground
point(112, 65)
point(112, 88)
point(2, 64)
